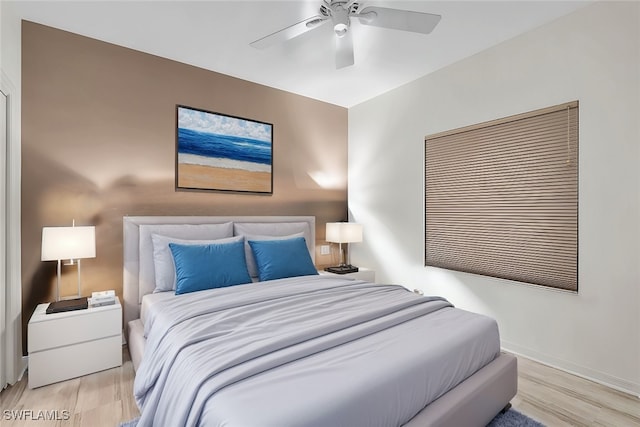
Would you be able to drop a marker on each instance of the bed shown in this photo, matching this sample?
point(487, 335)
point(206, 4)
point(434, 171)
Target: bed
point(299, 350)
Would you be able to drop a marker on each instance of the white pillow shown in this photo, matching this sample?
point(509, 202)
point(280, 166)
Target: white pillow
point(165, 270)
point(248, 253)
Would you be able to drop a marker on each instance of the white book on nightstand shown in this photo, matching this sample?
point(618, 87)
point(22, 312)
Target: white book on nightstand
point(100, 302)
point(104, 294)
point(102, 298)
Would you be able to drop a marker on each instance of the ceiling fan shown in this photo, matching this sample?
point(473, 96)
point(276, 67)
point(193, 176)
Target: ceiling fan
point(340, 12)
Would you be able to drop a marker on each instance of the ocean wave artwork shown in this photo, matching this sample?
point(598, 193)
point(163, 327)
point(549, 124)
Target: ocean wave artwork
point(211, 147)
point(220, 152)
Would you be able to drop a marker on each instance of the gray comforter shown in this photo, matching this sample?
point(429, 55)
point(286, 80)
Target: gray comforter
point(307, 351)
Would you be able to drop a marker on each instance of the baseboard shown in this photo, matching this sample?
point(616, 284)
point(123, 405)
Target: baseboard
point(603, 378)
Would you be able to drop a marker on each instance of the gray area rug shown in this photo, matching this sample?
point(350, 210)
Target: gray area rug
point(511, 418)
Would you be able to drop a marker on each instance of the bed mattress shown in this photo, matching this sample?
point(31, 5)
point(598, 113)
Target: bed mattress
point(308, 351)
point(149, 300)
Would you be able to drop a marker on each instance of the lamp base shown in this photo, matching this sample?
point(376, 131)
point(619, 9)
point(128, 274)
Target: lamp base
point(342, 269)
point(68, 305)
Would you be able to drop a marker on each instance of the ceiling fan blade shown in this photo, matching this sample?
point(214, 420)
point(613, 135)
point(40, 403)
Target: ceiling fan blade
point(404, 20)
point(290, 32)
point(344, 50)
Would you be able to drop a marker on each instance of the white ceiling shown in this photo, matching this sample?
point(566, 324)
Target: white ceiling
point(216, 34)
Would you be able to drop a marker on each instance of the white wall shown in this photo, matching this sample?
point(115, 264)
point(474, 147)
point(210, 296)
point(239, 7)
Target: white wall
point(593, 56)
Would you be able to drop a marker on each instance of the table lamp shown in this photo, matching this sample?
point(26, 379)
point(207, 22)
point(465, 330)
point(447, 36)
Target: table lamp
point(343, 232)
point(68, 243)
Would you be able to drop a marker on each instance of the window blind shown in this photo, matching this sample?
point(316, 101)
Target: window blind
point(501, 198)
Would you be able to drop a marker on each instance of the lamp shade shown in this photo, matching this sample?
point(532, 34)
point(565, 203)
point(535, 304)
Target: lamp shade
point(343, 232)
point(60, 243)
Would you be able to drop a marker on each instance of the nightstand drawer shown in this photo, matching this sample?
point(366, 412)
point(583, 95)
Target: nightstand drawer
point(63, 363)
point(63, 329)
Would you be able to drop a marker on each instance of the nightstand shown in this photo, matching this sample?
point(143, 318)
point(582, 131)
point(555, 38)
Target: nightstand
point(362, 274)
point(74, 343)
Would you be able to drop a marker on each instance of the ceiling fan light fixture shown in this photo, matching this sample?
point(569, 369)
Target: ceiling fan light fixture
point(340, 29)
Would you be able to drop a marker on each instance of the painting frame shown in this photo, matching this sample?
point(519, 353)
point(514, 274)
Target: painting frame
point(222, 153)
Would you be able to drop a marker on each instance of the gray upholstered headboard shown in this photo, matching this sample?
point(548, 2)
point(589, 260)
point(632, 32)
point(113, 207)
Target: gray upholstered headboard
point(138, 252)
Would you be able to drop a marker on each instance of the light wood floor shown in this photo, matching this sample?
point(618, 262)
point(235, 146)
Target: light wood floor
point(553, 397)
point(557, 398)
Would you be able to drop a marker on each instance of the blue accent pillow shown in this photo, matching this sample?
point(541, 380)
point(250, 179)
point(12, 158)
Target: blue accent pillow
point(200, 267)
point(277, 259)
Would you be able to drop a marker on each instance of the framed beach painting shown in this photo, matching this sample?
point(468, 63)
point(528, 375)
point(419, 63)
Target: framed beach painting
point(224, 153)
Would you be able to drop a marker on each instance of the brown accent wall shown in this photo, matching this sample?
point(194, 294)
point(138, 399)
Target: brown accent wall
point(98, 143)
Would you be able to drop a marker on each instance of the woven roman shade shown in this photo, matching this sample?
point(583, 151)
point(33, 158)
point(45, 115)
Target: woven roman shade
point(501, 198)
